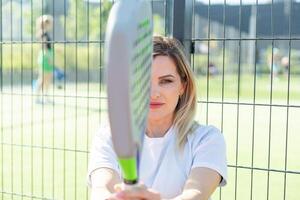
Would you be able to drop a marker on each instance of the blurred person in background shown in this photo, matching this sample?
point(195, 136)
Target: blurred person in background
point(285, 63)
point(274, 62)
point(44, 25)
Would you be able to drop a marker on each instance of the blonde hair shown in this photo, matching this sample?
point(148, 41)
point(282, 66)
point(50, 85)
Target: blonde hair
point(44, 24)
point(186, 107)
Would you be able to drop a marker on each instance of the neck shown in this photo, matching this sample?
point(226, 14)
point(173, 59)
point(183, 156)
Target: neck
point(158, 128)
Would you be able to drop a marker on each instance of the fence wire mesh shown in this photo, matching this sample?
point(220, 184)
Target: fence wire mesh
point(245, 55)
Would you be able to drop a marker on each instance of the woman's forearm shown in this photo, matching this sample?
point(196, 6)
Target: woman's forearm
point(191, 194)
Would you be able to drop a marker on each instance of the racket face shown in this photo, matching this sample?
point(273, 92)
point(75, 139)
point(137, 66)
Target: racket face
point(140, 76)
point(128, 64)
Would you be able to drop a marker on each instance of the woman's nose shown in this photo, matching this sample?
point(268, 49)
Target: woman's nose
point(155, 93)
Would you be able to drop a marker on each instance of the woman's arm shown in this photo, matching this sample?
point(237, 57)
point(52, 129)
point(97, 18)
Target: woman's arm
point(202, 182)
point(200, 185)
point(102, 183)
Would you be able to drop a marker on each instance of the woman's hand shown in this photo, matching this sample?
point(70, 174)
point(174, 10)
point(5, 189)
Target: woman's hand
point(139, 192)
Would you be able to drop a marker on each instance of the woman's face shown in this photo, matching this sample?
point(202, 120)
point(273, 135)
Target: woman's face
point(166, 86)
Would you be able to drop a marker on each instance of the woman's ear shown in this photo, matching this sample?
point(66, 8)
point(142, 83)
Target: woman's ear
point(182, 89)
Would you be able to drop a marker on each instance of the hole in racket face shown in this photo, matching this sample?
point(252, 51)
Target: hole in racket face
point(141, 73)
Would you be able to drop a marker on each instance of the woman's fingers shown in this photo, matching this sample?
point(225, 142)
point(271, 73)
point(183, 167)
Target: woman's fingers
point(118, 187)
point(139, 193)
point(114, 197)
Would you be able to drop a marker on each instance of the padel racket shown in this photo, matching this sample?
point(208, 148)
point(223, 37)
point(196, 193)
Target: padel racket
point(128, 63)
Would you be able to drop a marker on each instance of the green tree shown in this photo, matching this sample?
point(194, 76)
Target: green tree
point(81, 17)
point(31, 14)
point(158, 25)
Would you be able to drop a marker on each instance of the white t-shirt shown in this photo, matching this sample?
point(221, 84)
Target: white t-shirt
point(163, 167)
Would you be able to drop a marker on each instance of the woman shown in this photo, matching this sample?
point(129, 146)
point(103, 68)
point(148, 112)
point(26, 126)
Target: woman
point(45, 57)
point(180, 159)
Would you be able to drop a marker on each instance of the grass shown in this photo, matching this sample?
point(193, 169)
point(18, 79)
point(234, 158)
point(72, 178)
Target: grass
point(44, 149)
point(248, 86)
point(261, 131)
point(49, 155)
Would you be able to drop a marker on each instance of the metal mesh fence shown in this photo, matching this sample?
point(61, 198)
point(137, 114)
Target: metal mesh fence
point(45, 135)
point(245, 55)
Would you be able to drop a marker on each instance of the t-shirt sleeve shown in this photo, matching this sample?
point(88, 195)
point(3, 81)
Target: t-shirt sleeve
point(102, 154)
point(209, 150)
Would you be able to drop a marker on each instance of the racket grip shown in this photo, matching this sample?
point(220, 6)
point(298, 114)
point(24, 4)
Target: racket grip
point(134, 186)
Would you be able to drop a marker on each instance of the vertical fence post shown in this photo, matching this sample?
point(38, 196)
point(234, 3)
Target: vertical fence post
point(179, 22)
point(1, 67)
point(252, 36)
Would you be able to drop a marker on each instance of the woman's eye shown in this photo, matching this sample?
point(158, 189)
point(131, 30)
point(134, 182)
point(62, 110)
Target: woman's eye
point(165, 81)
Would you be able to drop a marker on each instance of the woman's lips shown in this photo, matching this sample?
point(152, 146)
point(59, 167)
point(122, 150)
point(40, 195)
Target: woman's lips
point(155, 105)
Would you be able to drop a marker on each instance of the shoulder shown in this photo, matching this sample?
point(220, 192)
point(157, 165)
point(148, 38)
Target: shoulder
point(204, 132)
point(203, 135)
point(45, 35)
point(103, 131)
point(102, 135)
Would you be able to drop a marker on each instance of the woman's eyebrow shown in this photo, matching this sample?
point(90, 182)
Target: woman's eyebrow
point(167, 76)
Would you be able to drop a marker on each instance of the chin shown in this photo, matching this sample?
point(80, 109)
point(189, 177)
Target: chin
point(155, 116)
